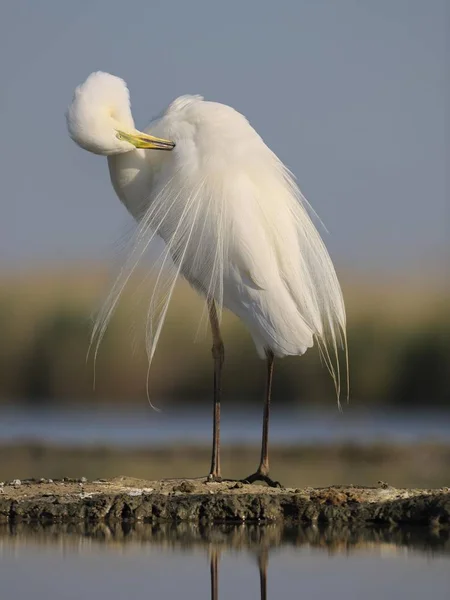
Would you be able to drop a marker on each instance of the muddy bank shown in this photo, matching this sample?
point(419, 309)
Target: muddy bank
point(135, 500)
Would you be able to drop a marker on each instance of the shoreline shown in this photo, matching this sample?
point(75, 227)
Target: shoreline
point(131, 500)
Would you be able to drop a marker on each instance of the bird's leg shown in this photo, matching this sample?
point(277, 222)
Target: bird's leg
point(262, 473)
point(218, 353)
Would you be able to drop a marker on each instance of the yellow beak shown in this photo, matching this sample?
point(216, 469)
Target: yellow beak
point(145, 141)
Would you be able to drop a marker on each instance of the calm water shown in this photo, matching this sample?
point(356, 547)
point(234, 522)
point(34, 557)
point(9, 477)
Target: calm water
point(145, 426)
point(241, 562)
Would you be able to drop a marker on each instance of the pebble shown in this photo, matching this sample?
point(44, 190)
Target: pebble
point(83, 480)
point(16, 482)
point(383, 485)
point(186, 487)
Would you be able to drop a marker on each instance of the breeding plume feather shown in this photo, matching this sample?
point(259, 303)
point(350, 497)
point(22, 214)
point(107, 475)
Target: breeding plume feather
point(233, 220)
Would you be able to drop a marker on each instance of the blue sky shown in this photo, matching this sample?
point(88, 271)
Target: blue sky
point(350, 94)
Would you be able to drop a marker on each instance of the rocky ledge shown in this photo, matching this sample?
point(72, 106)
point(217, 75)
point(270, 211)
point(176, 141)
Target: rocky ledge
point(135, 500)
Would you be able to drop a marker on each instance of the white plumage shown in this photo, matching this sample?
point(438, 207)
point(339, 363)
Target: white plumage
point(233, 220)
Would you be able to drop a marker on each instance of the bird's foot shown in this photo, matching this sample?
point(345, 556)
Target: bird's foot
point(214, 478)
point(258, 476)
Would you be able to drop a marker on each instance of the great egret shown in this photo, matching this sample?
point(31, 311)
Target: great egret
point(233, 221)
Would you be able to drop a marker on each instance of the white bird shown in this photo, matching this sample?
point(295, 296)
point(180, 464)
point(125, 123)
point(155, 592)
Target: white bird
point(233, 221)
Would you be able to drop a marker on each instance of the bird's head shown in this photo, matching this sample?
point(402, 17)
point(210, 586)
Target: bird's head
point(99, 118)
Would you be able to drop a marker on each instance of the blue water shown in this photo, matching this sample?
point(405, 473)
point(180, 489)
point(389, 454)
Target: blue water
point(145, 426)
point(74, 567)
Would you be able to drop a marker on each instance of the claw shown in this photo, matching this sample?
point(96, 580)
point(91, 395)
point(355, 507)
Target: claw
point(260, 477)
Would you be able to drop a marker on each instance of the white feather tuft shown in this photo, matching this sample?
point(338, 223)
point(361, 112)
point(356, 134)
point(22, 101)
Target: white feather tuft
point(237, 228)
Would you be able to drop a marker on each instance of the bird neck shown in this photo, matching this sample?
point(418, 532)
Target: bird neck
point(131, 176)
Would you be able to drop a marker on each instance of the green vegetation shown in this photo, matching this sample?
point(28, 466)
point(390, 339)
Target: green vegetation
point(399, 346)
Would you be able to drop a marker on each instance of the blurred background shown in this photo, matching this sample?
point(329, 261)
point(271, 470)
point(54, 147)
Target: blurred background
point(353, 97)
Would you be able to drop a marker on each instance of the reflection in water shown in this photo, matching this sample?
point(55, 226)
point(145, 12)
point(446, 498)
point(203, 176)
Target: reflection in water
point(284, 555)
point(263, 561)
point(253, 537)
point(214, 573)
point(386, 540)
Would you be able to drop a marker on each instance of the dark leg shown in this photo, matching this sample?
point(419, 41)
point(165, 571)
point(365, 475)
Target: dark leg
point(218, 355)
point(262, 473)
point(214, 572)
